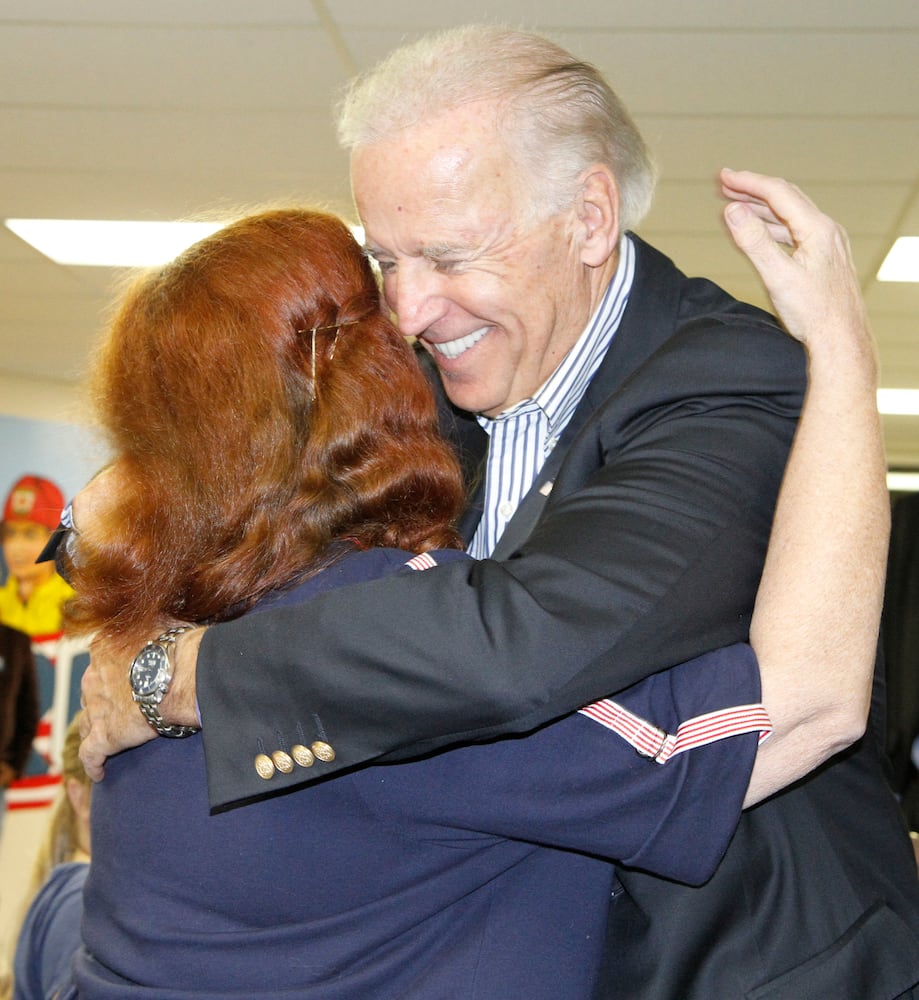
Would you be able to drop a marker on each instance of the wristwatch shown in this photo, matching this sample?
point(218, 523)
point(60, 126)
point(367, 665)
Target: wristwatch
point(150, 676)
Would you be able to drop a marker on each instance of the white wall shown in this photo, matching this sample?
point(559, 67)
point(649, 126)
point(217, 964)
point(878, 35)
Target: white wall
point(41, 400)
point(44, 430)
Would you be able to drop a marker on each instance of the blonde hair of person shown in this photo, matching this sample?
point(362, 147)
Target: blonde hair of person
point(65, 836)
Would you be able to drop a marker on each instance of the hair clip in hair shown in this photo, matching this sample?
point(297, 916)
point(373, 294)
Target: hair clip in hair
point(332, 326)
point(312, 331)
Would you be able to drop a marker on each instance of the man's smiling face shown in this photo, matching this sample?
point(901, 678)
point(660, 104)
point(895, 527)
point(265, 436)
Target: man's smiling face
point(497, 298)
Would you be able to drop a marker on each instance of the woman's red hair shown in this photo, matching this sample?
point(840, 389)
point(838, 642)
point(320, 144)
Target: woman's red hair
point(238, 471)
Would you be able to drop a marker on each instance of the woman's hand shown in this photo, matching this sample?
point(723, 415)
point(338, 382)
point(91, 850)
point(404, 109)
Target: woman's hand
point(804, 260)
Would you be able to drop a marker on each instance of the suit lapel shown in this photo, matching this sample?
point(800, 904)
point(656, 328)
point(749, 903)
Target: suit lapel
point(645, 325)
point(531, 506)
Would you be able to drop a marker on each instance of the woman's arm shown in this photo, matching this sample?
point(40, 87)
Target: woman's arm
point(818, 608)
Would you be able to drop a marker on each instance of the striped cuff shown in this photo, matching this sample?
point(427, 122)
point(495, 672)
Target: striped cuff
point(649, 740)
point(653, 742)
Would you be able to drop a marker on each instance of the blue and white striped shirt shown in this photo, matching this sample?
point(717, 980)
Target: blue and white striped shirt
point(521, 438)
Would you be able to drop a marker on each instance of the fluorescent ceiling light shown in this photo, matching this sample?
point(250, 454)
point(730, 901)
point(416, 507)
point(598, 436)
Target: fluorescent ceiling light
point(902, 263)
point(903, 482)
point(899, 402)
point(96, 243)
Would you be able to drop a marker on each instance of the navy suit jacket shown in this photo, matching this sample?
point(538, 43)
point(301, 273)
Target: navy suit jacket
point(646, 551)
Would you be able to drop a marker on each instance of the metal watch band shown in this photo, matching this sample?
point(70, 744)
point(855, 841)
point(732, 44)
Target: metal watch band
point(150, 707)
point(152, 715)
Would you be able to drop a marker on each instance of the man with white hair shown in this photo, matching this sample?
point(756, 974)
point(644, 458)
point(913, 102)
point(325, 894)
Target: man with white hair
point(625, 430)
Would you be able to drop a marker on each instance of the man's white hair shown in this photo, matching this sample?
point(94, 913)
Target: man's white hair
point(556, 114)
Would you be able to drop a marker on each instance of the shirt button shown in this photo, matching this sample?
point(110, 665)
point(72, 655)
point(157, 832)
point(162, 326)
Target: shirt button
point(506, 510)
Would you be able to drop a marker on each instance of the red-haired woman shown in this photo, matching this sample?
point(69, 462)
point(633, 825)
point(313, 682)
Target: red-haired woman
point(273, 438)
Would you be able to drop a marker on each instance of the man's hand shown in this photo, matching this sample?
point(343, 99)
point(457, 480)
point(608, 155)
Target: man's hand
point(111, 720)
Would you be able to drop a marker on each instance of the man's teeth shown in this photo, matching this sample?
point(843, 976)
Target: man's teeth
point(454, 348)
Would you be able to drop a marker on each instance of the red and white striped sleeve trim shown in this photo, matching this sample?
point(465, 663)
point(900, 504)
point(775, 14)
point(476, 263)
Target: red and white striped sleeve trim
point(422, 561)
point(651, 741)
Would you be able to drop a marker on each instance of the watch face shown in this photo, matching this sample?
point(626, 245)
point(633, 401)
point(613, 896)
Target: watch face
point(148, 671)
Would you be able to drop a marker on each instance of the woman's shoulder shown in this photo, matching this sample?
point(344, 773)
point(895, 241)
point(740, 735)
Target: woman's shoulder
point(361, 566)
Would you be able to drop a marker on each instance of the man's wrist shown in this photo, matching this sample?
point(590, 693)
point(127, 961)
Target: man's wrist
point(179, 706)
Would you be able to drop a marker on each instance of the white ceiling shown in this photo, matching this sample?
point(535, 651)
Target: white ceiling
point(158, 109)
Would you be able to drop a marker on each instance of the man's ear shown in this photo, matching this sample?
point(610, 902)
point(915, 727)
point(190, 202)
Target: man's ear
point(598, 214)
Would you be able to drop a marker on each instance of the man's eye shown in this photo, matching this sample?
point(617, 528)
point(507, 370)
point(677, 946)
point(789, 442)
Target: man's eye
point(385, 266)
point(447, 266)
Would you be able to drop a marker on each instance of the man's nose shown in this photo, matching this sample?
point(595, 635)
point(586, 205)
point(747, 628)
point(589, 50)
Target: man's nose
point(415, 294)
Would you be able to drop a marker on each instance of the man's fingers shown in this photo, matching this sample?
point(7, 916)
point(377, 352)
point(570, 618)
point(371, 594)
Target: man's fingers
point(93, 761)
point(95, 720)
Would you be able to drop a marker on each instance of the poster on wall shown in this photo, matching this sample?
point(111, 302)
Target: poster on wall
point(66, 453)
point(42, 465)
